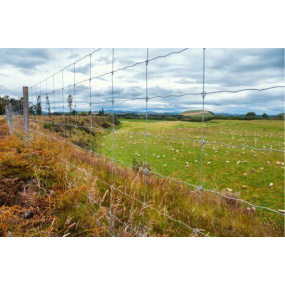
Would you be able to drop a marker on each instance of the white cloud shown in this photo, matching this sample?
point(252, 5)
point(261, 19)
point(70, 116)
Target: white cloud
point(229, 69)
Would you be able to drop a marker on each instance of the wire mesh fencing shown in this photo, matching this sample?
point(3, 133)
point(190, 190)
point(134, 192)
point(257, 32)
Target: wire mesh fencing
point(76, 109)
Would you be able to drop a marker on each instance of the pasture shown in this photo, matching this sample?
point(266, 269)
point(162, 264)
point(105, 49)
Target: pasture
point(258, 176)
point(70, 185)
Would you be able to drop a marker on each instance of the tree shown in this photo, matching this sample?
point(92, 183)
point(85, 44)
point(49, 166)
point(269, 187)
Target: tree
point(251, 114)
point(18, 105)
point(2, 107)
point(48, 104)
point(101, 112)
point(69, 101)
point(15, 104)
point(32, 109)
point(39, 106)
point(6, 99)
point(264, 116)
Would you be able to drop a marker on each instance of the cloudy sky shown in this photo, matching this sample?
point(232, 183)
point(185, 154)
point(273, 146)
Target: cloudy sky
point(176, 74)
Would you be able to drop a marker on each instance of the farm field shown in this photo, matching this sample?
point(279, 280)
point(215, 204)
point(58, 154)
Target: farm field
point(257, 175)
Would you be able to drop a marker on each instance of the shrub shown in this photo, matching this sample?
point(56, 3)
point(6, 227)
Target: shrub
point(140, 165)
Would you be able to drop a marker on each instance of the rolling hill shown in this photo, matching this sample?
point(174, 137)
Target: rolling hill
point(197, 113)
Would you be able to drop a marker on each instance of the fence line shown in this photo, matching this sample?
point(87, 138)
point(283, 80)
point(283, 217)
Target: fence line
point(195, 230)
point(37, 94)
point(146, 206)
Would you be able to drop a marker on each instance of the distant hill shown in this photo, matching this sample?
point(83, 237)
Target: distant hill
point(197, 113)
point(279, 117)
point(229, 114)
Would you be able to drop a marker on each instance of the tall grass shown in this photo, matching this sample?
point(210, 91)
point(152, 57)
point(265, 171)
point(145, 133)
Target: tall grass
point(52, 189)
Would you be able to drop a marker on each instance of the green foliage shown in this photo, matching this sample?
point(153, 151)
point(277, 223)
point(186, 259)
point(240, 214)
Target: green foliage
point(250, 114)
point(48, 126)
point(264, 116)
point(101, 112)
point(209, 116)
point(279, 117)
point(32, 110)
point(140, 166)
point(2, 108)
point(39, 106)
point(48, 104)
point(16, 104)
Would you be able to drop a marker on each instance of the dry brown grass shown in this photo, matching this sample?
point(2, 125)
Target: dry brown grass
point(43, 194)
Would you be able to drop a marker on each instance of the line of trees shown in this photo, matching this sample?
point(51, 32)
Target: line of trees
point(252, 114)
point(15, 104)
point(169, 117)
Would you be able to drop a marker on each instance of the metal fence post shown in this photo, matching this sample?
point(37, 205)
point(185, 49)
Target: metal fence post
point(26, 112)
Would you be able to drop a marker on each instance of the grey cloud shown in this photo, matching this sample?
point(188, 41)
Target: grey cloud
point(83, 69)
point(27, 60)
point(73, 56)
point(177, 74)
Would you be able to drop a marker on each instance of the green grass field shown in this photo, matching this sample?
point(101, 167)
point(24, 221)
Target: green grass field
point(242, 170)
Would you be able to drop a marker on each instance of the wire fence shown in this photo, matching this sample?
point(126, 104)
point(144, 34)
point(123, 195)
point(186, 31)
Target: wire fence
point(57, 105)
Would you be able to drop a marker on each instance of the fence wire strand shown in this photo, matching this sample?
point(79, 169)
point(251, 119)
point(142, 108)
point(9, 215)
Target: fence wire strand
point(36, 122)
point(159, 175)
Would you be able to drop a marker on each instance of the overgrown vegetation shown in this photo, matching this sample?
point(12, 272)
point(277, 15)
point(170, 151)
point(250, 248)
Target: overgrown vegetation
point(15, 104)
point(46, 190)
point(80, 130)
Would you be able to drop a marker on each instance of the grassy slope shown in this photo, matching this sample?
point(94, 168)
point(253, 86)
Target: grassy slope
point(83, 134)
point(192, 113)
point(62, 199)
